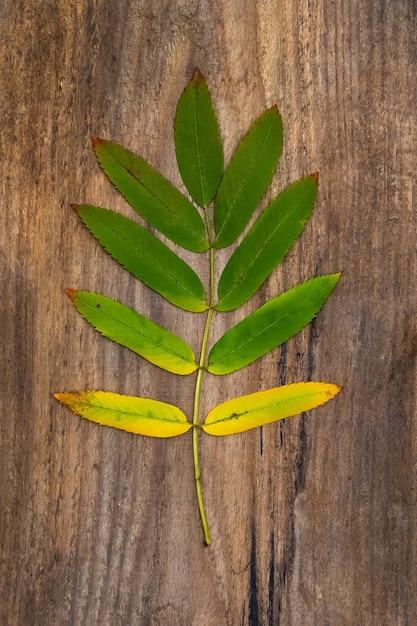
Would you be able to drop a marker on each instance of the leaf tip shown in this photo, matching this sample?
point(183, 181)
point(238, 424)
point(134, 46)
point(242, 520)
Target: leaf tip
point(275, 110)
point(197, 74)
point(197, 78)
point(334, 278)
point(315, 177)
point(96, 141)
point(71, 294)
point(75, 207)
point(331, 389)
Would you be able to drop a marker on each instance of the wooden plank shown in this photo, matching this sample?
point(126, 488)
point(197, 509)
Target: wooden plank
point(313, 520)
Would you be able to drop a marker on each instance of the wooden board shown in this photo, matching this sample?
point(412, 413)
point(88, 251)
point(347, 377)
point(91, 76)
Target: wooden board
point(313, 519)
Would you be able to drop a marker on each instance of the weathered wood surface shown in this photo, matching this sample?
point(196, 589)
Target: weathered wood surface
point(313, 524)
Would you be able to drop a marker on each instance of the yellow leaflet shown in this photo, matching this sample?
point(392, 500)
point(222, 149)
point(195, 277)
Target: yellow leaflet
point(136, 415)
point(264, 407)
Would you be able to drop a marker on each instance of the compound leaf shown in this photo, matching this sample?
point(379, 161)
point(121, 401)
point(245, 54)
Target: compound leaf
point(247, 176)
point(197, 141)
point(134, 331)
point(152, 196)
point(270, 325)
point(265, 407)
point(266, 244)
point(145, 256)
point(135, 415)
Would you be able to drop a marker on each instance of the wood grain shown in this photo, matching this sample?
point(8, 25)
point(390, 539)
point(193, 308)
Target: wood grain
point(313, 520)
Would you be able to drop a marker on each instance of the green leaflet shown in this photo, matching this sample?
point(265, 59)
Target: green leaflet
point(270, 325)
point(147, 258)
point(266, 244)
point(265, 407)
point(134, 331)
point(136, 415)
point(197, 141)
point(247, 177)
point(152, 196)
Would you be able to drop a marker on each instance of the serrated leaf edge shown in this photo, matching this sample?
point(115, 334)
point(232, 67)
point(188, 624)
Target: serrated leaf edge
point(225, 221)
point(243, 275)
point(184, 287)
point(65, 398)
point(253, 337)
point(96, 141)
point(329, 391)
point(73, 294)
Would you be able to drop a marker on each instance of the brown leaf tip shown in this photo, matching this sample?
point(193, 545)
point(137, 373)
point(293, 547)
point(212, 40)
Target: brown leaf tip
point(315, 175)
point(96, 141)
point(197, 77)
point(75, 207)
point(71, 294)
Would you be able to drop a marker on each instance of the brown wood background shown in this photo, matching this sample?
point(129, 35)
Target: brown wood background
point(313, 520)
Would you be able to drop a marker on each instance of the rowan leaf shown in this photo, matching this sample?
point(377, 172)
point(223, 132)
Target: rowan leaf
point(134, 331)
point(266, 243)
point(265, 407)
point(145, 256)
point(197, 141)
point(247, 176)
point(227, 201)
point(152, 196)
point(135, 415)
point(270, 325)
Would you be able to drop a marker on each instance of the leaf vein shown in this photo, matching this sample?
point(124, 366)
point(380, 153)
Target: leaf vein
point(200, 165)
point(129, 413)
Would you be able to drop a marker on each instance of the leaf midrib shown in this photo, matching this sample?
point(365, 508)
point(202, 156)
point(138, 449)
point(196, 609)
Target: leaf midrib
point(200, 167)
point(130, 414)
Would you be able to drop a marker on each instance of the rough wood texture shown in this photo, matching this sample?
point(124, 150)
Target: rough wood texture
point(313, 520)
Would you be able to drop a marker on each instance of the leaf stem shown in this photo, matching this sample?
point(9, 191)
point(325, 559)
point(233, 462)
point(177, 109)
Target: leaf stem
point(196, 429)
point(198, 386)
